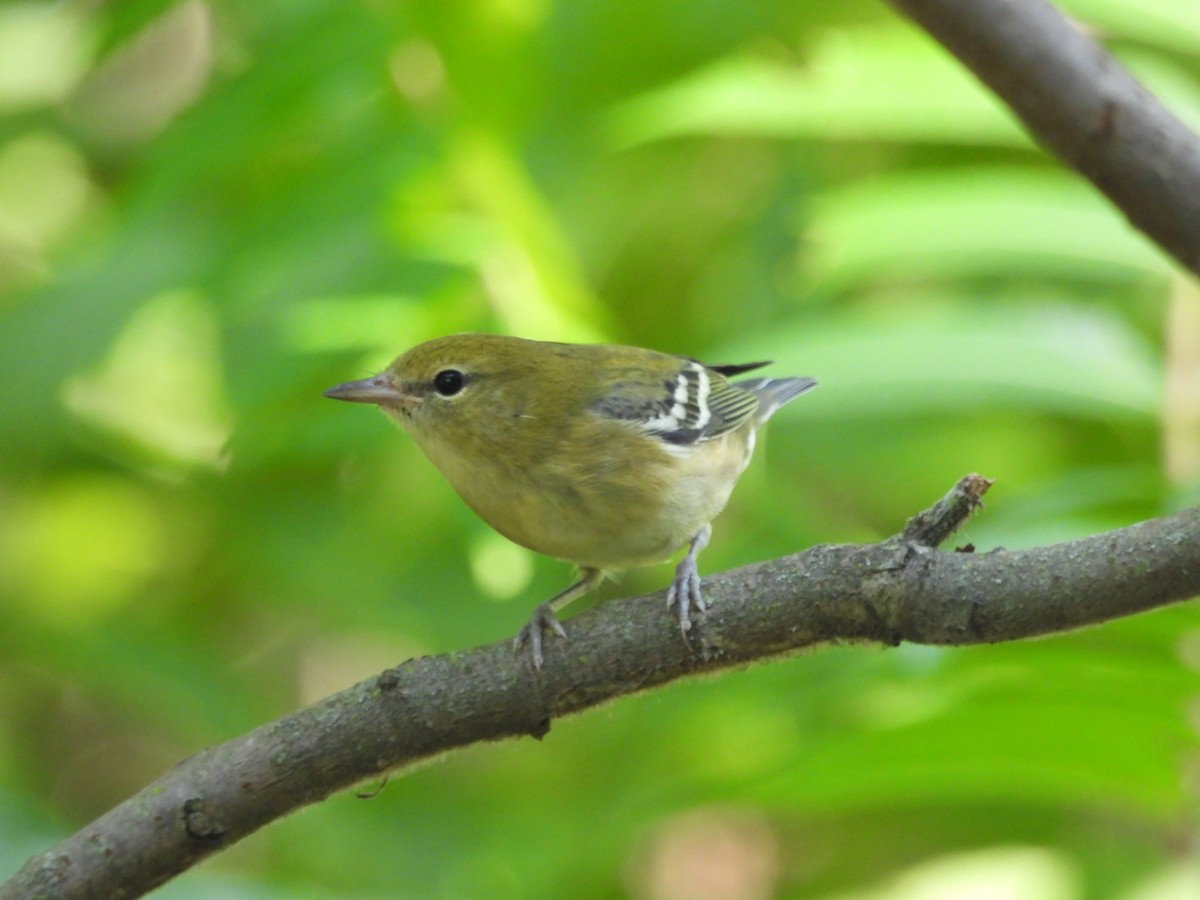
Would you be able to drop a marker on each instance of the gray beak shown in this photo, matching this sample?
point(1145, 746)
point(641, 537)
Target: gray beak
point(380, 390)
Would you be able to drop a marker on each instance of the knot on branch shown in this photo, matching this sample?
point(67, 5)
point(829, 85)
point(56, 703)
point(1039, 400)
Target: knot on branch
point(199, 823)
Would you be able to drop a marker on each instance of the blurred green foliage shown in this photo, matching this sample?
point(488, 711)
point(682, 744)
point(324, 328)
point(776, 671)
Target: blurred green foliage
point(210, 211)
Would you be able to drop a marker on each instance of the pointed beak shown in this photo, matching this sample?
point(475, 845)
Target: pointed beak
point(380, 390)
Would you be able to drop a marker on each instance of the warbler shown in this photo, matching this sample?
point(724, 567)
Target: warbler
point(605, 456)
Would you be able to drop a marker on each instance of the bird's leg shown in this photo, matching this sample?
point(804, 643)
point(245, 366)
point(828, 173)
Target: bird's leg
point(530, 637)
point(685, 589)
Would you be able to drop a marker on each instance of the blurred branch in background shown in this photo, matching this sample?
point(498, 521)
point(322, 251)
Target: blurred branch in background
point(898, 590)
point(1082, 105)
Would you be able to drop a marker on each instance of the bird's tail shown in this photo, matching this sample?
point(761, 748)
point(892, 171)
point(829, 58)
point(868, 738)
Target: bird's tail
point(773, 393)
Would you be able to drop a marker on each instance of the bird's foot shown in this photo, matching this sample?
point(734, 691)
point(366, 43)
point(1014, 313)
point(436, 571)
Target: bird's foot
point(529, 638)
point(685, 593)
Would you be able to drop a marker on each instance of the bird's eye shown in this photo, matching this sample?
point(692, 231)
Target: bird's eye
point(449, 382)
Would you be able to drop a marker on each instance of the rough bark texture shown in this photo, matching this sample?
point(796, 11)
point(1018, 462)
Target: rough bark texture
point(898, 590)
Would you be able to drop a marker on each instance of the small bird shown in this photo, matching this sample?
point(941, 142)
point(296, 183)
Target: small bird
point(605, 456)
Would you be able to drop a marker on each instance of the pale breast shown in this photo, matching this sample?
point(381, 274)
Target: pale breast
point(616, 512)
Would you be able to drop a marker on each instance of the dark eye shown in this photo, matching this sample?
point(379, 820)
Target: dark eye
point(449, 382)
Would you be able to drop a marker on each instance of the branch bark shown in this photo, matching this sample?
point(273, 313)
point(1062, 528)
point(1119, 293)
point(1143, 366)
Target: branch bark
point(1081, 105)
point(898, 590)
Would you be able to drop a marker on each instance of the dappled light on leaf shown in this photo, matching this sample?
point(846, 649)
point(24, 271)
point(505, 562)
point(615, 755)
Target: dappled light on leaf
point(79, 549)
point(161, 386)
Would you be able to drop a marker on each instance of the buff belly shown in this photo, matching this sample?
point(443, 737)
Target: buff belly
point(616, 514)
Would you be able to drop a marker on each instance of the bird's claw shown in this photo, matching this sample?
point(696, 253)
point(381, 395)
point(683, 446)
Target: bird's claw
point(685, 592)
point(530, 636)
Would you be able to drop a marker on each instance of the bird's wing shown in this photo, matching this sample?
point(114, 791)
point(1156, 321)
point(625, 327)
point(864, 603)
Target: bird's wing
point(696, 404)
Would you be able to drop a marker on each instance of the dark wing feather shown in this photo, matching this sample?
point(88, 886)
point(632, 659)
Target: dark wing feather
point(729, 407)
point(730, 371)
point(696, 404)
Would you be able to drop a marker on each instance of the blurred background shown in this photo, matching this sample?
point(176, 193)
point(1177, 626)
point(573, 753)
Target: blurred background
point(211, 211)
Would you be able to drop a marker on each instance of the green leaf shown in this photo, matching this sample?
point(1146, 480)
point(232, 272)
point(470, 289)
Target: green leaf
point(947, 358)
point(867, 84)
point(971, 223)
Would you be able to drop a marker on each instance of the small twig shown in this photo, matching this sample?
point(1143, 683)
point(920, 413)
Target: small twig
point(934, 525)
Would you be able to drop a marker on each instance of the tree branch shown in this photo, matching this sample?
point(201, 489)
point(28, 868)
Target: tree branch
point(897, 590)
point(1083, 106)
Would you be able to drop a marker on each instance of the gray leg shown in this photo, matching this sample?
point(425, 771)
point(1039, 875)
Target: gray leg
point(685, 589)
point(530, 637)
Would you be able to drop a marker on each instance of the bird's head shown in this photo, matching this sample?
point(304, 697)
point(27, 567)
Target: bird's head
point(450, 385)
